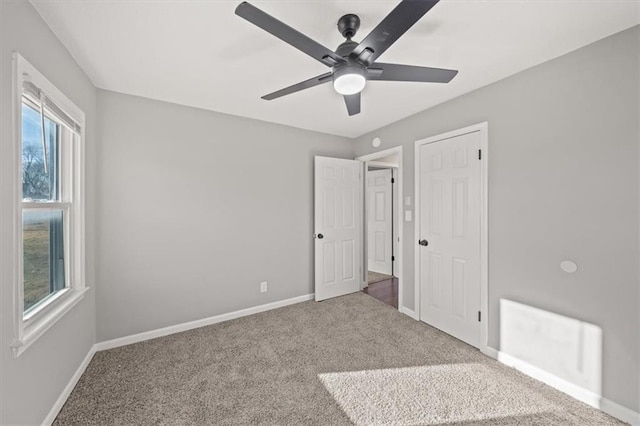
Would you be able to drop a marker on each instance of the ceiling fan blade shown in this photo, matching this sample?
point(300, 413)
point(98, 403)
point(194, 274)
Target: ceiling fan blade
point(288, 34)
point(353, 103)
point(397, 72)
point(407, 13)
point(315, 81)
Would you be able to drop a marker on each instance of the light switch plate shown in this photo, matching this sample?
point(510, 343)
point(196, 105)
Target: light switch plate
point(407, 200)
point(407, 216)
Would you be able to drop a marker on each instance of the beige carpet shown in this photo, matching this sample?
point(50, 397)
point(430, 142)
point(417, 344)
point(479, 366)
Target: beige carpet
point(374, 277)
point(349, 360)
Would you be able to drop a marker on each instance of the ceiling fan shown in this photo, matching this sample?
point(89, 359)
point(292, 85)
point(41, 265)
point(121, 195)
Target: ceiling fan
point(353, 63)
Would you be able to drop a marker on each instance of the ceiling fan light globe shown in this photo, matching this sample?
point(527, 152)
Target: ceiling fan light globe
point(349, 84)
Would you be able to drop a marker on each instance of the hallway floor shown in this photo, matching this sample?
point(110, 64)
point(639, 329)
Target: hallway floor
point(385, 291)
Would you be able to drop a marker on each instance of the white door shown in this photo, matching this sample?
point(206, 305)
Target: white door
point(379, 223)
point(449, 222)
point(337, 227)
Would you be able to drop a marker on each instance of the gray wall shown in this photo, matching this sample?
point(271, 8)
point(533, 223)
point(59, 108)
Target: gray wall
point(563, 182)
point(196, 208)
point(31, 383)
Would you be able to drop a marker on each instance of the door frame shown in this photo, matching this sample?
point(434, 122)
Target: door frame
point(483, 128)
point(370, 160)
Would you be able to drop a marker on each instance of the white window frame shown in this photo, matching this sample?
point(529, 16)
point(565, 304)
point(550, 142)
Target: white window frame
point(28, 328)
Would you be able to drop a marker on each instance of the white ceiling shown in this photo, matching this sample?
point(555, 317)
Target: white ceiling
point(199, 53)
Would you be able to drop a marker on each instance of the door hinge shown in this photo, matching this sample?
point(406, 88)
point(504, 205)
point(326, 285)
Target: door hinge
point(393, 258)
point(479, 316)
point(393, 180)
point(479, 154)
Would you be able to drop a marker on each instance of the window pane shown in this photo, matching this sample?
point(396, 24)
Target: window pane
point(43, 241)
point(39, 183)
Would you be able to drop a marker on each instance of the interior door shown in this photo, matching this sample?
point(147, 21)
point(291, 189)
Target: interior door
point(449, 230)
point(337, 227)
point(379, 221)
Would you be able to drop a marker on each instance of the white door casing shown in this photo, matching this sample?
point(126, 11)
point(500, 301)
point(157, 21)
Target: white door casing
point(379, 221)
point(372, 159)
point(338, 224)
point(395, 215)
point(450, 205)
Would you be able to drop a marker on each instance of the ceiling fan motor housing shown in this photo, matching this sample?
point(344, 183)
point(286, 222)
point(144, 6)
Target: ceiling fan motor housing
point(346, 48)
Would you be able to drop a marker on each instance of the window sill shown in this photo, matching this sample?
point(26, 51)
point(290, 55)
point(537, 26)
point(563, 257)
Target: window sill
point(38, 326)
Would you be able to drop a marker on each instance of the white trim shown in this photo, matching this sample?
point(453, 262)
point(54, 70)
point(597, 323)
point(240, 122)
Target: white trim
point(64, 395)
point(409, 312)
point(17, 261)
point(490, 352)
point(620, 412)
point(364, 238)
point(483, 129)
point(152, 334)
point(366, 159)
point(384, 153)
point(363, 210)
point(362, 176)
point(581, 394)
point(27, 329)
point(54, 311)
point(381, 164)
point(484, 233)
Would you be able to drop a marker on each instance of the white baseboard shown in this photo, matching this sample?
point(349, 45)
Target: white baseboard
point(588, 397)
point(489, 351)
point(620, 412)
point(57, 406)
point(409, 312)
point(152, 334)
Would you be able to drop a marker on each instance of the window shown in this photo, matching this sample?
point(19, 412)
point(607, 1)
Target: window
point(49, 264)
point(43, 212)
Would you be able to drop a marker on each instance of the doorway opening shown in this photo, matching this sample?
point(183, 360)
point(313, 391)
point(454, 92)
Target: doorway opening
point(382, 227)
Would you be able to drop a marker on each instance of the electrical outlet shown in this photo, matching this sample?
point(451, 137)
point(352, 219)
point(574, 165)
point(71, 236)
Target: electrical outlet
point(263, 287)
